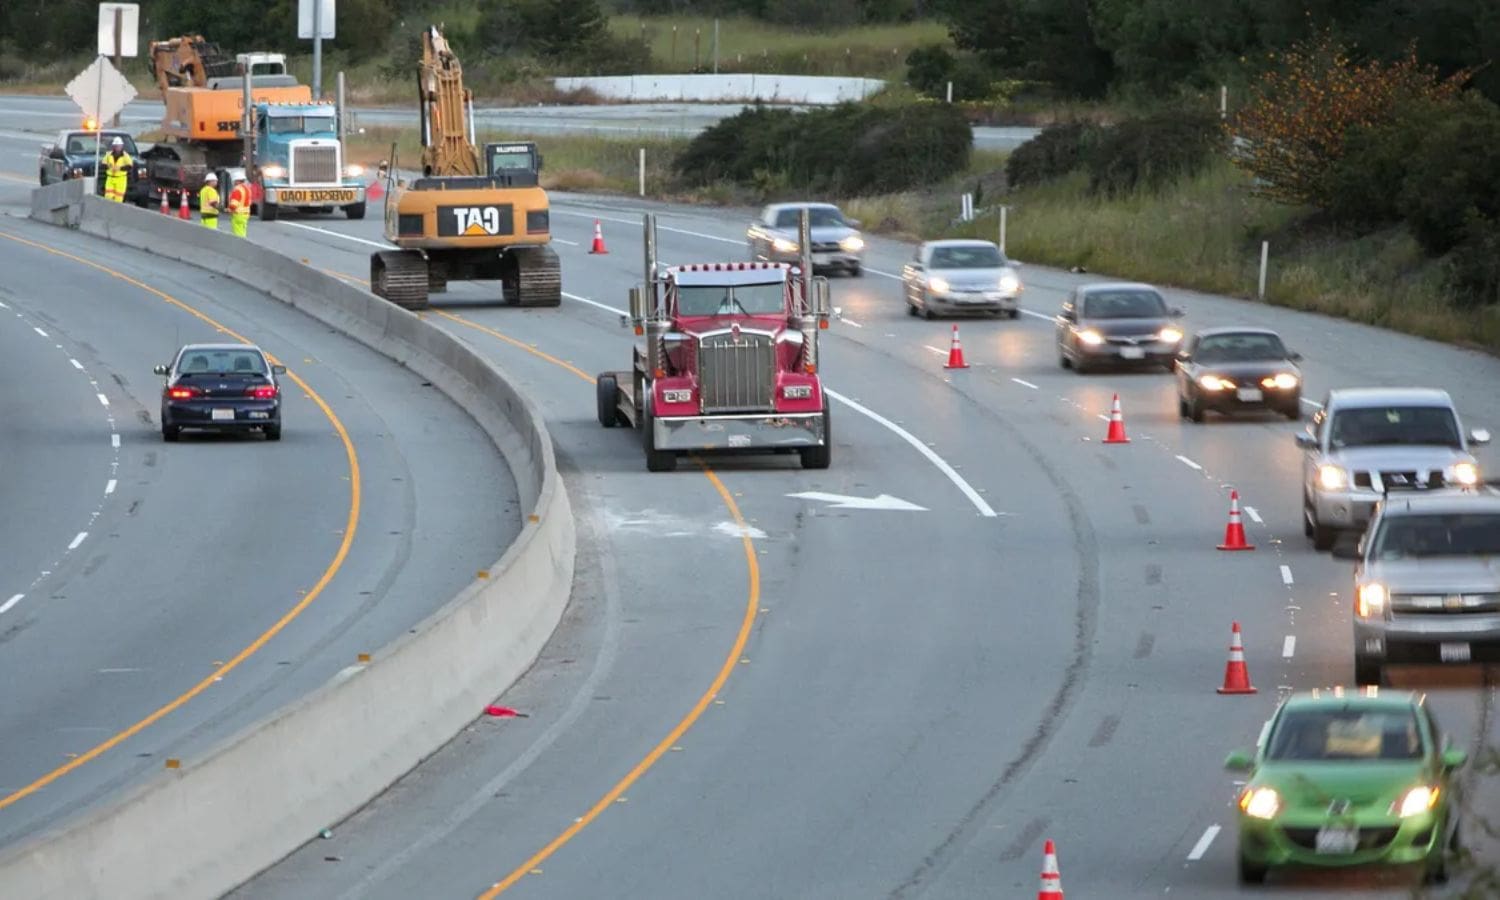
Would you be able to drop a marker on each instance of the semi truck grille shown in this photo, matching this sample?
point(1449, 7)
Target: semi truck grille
point(315, 165)
point(737, 375)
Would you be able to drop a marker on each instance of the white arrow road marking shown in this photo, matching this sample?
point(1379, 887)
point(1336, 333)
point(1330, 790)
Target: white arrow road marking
point(840, 501)
point(1201, 847)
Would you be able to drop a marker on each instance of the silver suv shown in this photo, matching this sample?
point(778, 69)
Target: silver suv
point(1427, 587)
point(1367, 440)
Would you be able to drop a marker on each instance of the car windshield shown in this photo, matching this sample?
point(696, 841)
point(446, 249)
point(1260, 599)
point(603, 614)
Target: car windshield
point(1420, 537)
point(978, 257)
point(727, 300)
point(299, 124)
point(85, 144)
point(1383, 425)
point(817, 217)
point(1236, 347)
point(1330, 735)
point(221, 362)
point(1123, 305)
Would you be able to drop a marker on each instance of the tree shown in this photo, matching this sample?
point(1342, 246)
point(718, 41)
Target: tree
point(1042, 40)
point(1294, 127)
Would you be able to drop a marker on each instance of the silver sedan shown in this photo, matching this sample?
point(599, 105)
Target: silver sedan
point(836, 241)
point(961, 277)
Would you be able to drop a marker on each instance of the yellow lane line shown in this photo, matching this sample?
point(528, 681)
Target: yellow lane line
point(747, 624)
point(351, 523)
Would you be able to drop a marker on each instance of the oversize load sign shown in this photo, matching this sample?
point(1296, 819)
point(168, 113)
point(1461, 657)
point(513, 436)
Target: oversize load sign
point(291, 196)
point(475, 221)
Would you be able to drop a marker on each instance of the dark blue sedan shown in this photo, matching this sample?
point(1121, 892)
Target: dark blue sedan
point(221, 387)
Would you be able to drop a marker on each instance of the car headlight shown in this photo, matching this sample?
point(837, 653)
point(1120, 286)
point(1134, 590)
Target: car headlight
point(1260, 803)
point(683, 395)
point(1466, 474)
point(1370, 600)
point(1215, 383)
point(1332, 478)
point(853, 243)
point(273, 171)
point(1091, 337)
point(1417, 801)
point(1169, 335)
point(1283, 381)
point(1009, 283)
point(782, 245)
point(797, 392)
point(938, 285)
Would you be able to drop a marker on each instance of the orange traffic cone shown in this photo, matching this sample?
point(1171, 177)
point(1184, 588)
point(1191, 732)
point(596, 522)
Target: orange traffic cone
point(1116, 433)
point(1234, 532)
point(1236, 676)
point(955, 353)
point(1051, 888)
point(182, 207)
point(165, 209)
point(598, 239)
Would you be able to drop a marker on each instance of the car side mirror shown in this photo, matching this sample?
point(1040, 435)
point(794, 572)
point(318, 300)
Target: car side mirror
point(1240, 761)
point(1479, 437)
point(917, 266)
point(278, 370)
point(160, 370)
point(1294, 356)
point(1453, 758)
point(1306, 441)
point(1184, 356)
point(1068, 315)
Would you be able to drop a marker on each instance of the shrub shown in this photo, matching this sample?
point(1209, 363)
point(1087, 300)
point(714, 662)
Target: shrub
point(1473, 268)
point(845, 150)
point(1057, 150)
point(1152, 151)
point(1454, 174)
point(929, 68)
point(1364, 185)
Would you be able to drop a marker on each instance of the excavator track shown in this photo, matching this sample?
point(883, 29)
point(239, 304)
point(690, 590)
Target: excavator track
point(538, 277)
point(400, 276)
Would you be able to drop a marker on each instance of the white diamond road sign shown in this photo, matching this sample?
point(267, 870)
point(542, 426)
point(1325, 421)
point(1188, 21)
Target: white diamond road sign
point(100, 90)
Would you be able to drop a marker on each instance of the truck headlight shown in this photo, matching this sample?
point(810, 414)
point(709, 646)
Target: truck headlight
point(354, 170)
point(797, 392)
point(680, 395)
point(1466, 474)
point(852, 244)
point(1332, 478)
point(1370, 600)
point(273, 171)
point(782, 245)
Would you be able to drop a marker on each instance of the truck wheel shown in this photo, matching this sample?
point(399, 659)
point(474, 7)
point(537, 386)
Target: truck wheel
point(656, 460)
point(355, 210)
point(820, 457)
point(1367, 671)
point(267, 211)
point(607, 387)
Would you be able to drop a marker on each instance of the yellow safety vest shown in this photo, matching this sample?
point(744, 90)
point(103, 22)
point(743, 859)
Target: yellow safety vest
point(208, 203)
point(115, 166)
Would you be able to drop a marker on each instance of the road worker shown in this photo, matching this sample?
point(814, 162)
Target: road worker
point(208, 202)
point(239, 205)
point(117, 164)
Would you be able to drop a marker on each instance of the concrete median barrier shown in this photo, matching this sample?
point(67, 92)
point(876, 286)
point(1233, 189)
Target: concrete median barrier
point(202, 829)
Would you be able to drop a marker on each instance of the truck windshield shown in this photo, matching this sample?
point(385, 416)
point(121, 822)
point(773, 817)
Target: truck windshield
point(300, 124)
point(83, 143)
point(1419, 537)
point(1386, 425)
point(728, 300)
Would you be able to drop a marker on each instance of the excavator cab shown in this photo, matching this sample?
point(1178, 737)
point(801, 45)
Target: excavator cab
point(518, 164)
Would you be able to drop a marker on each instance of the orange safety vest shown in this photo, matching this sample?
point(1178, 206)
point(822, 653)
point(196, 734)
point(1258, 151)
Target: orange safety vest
point(239, 199)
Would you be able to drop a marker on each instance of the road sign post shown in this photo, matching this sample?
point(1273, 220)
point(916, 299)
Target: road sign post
point(315, 21)
point(119, 25)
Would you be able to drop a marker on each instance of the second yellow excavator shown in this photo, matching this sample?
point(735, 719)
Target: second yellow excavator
point(467, 218)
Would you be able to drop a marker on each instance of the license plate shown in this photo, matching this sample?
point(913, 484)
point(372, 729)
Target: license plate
point(739, 440)
point(222, 415)
point(1132, 353)
point(1337, 840)
point(292, 196)
point(1249, 395)
point(1453, 652)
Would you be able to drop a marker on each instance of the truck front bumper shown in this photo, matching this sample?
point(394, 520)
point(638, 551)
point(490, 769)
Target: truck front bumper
point(739, 432)
point(321, 195)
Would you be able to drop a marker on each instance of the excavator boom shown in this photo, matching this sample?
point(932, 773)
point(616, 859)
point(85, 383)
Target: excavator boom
point(187, 61)
point(447, 111)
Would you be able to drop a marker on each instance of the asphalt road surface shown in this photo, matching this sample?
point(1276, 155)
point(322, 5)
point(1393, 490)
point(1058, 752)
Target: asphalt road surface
point(156, 598)
point(1005, 632)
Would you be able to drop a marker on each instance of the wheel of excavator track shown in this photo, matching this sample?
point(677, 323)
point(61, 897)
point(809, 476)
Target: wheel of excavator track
point(400, 277)
point(538, 278)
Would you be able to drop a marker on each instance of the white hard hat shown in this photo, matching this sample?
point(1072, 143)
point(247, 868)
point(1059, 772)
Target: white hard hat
point(239, 176)
point(117, 142)
point(211, 177)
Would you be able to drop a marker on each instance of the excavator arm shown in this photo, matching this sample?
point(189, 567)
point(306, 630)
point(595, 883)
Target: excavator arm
point(447, 109)
point(187, 61)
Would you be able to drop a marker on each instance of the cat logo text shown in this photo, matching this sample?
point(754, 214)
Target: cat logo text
point(474, 221)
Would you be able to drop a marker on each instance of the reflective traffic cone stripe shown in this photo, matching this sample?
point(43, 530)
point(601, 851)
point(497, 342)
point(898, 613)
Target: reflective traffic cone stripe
point(1236, 673)
point(955, 353)
point(598, 239)
point(166, 210)
point(1116, 433)
point(182, 207)
point(1051, 888)
point(1234, 532)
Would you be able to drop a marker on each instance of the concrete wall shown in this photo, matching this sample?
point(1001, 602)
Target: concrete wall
point(202, 829)
point(813, 89)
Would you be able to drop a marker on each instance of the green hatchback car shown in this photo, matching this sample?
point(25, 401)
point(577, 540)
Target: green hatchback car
point(1348, 779)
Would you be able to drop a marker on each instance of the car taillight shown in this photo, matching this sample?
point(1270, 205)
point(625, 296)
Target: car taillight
point(182, 393)
point(262, 392)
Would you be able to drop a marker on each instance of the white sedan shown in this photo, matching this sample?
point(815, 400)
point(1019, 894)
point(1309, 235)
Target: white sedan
point(961, 277)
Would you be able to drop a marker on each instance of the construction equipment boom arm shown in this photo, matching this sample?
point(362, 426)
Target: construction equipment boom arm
point(187, 61)
point(447, 110)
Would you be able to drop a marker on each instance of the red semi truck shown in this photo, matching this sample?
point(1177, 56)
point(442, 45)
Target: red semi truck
point(729, 360)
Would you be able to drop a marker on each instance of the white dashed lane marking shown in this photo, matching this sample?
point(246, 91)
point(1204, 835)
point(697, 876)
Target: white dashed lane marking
point(82, 536)
point(114, 441)
point(1286, 575)
point(1024, 383)
point(103, 400)
point(76, 364)
point(1189, 463)
point(1254, 515)
point(39, 331)
point(5, 607)
point(109, 486)
point(1288, 646)
point(1201, 847)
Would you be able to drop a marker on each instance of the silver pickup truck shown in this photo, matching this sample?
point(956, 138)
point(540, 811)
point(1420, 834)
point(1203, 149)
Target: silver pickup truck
point(1427, 585)
point(1365, 441)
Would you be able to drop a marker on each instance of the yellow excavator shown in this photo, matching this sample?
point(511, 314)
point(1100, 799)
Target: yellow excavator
point(469, 217)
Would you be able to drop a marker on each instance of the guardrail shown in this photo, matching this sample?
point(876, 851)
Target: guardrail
point(202, 829)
